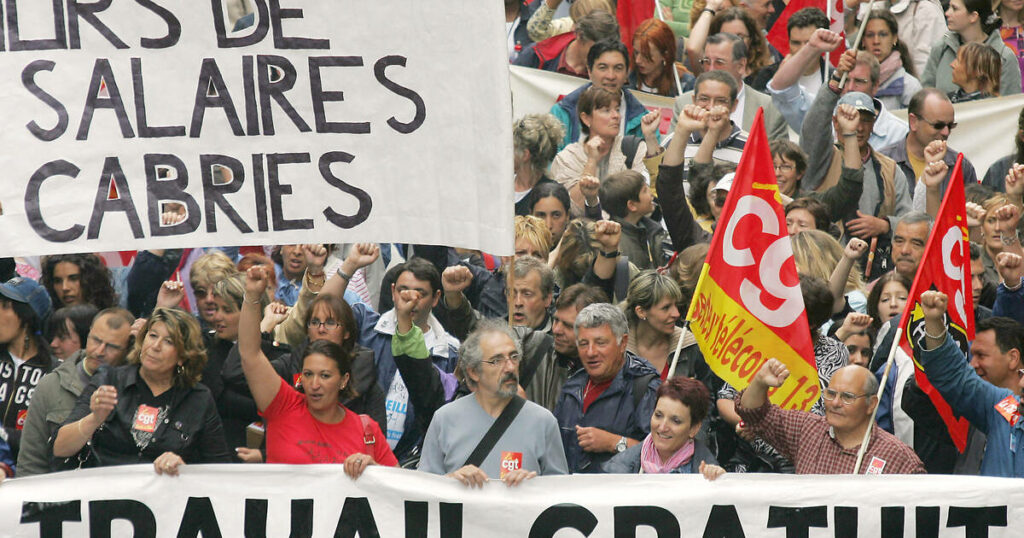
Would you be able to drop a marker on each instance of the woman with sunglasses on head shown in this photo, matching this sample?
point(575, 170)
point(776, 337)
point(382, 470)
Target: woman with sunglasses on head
point(970, 21)
point(298, 422)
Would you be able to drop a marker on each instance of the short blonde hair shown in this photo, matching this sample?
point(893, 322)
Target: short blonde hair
point(210, 268)
point(534, 230)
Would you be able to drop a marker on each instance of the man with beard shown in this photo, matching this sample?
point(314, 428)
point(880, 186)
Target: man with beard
point(456, 443)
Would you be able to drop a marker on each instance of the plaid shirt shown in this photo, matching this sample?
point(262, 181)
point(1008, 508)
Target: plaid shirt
point(807, 440)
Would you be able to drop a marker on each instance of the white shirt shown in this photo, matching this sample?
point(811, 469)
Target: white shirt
point(737, 115)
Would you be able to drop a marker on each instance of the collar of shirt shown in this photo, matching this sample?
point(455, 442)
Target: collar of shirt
point(737, 115)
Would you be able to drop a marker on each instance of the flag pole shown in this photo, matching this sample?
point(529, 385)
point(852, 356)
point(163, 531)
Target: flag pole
point(679, 348)
point(881, 389)
point(675, 72)
point(856, 42)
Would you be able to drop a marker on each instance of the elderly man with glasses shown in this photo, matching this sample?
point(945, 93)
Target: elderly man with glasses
point(829, 444)
point(493, 433)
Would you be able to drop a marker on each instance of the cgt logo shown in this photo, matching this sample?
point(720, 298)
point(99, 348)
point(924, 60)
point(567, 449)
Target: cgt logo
point(953, 241)
point(770, 269)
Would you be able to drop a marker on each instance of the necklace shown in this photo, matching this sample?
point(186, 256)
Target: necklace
point(586, 390)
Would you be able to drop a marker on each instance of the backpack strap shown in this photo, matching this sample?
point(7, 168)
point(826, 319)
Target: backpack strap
point(369, 439)
point(640, 388)
point(630, 144)
point(621, 278)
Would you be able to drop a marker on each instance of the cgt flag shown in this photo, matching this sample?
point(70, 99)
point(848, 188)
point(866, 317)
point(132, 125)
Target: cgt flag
point(630, 14)
point(946, 267)
point(747, 307)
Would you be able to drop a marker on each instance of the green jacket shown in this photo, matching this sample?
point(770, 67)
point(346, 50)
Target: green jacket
point(52, 402)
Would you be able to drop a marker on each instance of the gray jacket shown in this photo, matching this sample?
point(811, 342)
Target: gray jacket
point(939, 74)
point(52, 402)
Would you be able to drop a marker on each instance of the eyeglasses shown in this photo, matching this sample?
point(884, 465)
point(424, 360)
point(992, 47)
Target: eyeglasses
point(719, 62)
point(846, 397)
point(498, 360)
point(785, 167)
point(938, 125)
point(328, 324)
point(704, 100)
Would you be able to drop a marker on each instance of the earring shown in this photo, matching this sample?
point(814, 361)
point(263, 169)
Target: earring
point(180, 370)
point(642, 318)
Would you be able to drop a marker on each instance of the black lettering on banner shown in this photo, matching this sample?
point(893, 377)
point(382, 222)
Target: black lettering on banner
point(88, 13)
point(927, 521)
point(893, 521)
point(259, 30)
point(846, 522)
point(255, 521)
point(279, 190)
point(563, 516)
point(976, 520)
point(199, 517)
point(145, 131)
point(33, 207)
point(723, 522)
point(102, 74)
point(214, 192)
point(59, 40)
point(421, 109)
point(302, 518)
point(173, 27)
point(316, 89)
point(281, 41)
point(212, 92)
point(270, 89)
point(51, 516)
point(797, 521)
point(252, 113)
point(628, 518)
point(356, 517)
point(28, 76)
point(171, 188)
point(417, 520)
point(259, 186)
point(104, 203)
point(365, 202)
point(103, 513)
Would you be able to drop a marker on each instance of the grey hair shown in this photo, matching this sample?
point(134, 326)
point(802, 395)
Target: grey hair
point(870, 382)
point(523, 266)
point(599, 314)
point(541, 134)
point(470, 355)
point(916, 217)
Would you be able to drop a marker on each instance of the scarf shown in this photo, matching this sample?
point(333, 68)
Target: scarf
point(651, 462)
point(890, 65)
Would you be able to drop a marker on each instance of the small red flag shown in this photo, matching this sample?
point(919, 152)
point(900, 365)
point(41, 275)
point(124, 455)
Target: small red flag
point(630, 14)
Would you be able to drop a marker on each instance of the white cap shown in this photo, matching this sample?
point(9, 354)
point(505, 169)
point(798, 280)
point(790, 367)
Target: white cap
point(725, 183)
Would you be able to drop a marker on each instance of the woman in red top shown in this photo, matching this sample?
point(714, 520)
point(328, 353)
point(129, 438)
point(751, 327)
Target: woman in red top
point(314, 427)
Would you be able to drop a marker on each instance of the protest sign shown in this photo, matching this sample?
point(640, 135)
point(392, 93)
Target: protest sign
point(321, 122)
point(319, 500)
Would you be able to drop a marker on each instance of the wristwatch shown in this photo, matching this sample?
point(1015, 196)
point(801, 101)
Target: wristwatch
point(621, 445)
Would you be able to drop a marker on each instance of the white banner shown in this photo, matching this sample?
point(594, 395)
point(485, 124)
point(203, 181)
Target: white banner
point(985, 130)
point(319, 500)
point(329, 122)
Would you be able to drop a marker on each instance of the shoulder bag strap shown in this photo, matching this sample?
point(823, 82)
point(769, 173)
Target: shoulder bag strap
point(495, 432)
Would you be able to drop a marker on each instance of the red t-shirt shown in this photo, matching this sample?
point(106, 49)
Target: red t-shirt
point(591, 391)
point(294, 436)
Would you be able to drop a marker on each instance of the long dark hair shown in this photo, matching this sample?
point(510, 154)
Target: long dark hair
point(97, 288)
point(894, 28)
point(342, 359)
point(986, 16)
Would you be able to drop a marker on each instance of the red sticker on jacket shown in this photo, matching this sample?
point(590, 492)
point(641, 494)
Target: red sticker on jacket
point(297, 380)
point(20, 424)
point(145, 418)
point(510, 461)
point(1008, 408)
point(876, 465)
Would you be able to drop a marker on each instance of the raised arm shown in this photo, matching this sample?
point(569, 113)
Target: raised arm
point(261, 376)
point(772, 374)
point(699, 35)
point(359, 256)
point(793, 67)
point(837, 282)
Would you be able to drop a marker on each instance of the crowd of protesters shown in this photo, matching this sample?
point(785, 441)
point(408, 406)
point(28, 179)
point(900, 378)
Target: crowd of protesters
point(570, 356)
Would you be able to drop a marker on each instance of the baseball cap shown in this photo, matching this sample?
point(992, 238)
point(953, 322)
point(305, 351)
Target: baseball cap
point(725, 183)
point(860, 101)
point(30, 292)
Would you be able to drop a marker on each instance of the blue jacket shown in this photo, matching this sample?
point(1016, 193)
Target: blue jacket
point(975, 399)
point(1009, 304)
point(375, 332)
point(612, 411)
point(628, 462)
point(565, 111)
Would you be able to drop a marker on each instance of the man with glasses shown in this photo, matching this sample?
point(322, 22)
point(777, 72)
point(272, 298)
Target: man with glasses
point(55, 396)
point(530, 443)
point(606, 407)
point(931, 118)
point(829, 444)
point(728, 53)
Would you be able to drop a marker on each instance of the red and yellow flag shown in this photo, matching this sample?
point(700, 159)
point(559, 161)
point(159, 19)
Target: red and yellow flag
point(946, 267)
point(747, 307)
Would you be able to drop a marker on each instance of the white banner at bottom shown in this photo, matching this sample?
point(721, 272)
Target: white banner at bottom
point(319, 500)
